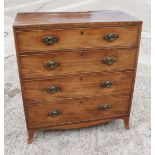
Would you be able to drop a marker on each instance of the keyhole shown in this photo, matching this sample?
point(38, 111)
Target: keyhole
point(81, 79)
point(81, 32)
point(81, 54)
point(81, 102)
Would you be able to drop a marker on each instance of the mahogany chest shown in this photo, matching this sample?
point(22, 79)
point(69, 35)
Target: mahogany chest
point(77, 69)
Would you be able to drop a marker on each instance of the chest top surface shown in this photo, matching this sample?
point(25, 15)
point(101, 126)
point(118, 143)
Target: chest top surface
point(71, 19)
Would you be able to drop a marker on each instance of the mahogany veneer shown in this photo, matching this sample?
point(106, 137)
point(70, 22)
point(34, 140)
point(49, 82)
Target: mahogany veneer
point(77, 69)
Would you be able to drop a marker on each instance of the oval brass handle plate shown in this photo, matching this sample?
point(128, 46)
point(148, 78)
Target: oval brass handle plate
point(106, 84)
point(109, 60)
point(105, 107)
point(51, 64)
point(50, 40)
point(53, 89)
point(54, 113)
point(111, 37)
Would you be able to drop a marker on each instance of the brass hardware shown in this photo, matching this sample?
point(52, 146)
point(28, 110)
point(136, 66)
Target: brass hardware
point(53, 89)
point(50, 40)
point(109, 60)
point(105, 107)
point(106, 84)
point(111, 36)
point(52, 64)
point(54, 113)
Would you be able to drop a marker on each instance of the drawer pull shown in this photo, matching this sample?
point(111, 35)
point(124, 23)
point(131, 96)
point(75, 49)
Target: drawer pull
point(106, 84)
point(109, 60)
point(52, 64)
point(111, 37)
point(54, 113)
point(105, 107)
point(50, 40)
point(53, 89)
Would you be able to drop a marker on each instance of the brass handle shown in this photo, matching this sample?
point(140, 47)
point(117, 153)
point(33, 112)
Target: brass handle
point(54, 113)
point(53, 89)
point(106, 84)
point(52, 64)
point(105, 107)
point(50, 40)
point(109, 60)
point(111, 37)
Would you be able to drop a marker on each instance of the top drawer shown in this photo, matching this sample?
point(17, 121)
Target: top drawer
point(56, 39)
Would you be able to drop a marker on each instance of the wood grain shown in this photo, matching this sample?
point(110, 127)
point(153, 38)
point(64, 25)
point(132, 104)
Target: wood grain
point(76, 62)
point(80, 49)
point(77, 86)
point(77, 110)
point(76, 125)
point(31, 41)
point(74, 19)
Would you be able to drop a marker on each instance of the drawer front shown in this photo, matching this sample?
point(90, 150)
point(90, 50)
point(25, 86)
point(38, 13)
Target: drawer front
point(65, 63)
point(71, 87)
point(41, 40)
point(76, 110)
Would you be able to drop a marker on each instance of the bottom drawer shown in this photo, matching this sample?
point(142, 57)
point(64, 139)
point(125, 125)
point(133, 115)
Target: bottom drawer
point(77, 110)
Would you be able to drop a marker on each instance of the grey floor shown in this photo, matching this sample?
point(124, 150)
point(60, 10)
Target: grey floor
point(111, 139)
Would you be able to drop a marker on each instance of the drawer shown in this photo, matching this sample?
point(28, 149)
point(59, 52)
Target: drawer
point(77, 110)
point(65, 63)
point(56, 39)
point(77, 86)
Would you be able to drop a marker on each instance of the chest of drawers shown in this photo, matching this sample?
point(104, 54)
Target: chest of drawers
point(77, 69)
